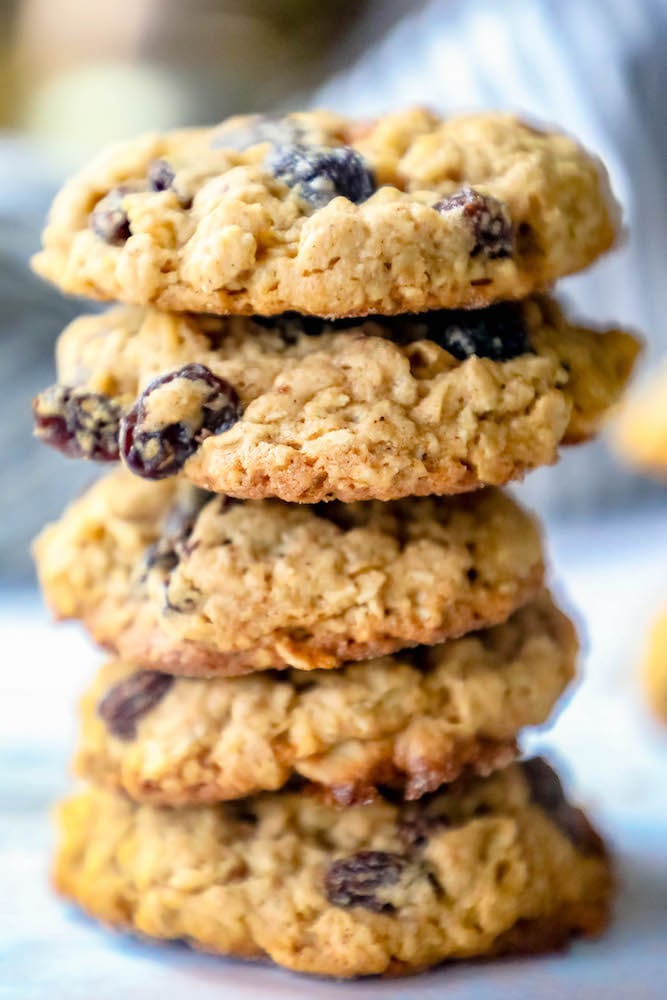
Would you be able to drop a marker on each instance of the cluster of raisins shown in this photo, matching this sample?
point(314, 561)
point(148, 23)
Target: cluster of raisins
point(82, 424)
point(354, 881)
point(497, 332)
point(157, 452)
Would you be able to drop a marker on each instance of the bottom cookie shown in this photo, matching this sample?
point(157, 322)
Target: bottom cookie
point(488, 867)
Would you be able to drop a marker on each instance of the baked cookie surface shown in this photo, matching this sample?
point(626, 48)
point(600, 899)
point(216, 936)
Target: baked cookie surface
point(176, 581)
point(330, 217)
point(411, 721)
point(305, 411)
point(641, 431)
point(487, 867)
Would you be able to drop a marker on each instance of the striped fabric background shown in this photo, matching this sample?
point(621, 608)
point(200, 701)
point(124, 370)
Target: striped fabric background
point(596, 68)
point(34, 485)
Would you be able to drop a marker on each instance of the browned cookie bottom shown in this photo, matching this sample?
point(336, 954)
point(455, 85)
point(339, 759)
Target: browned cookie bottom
point(489, 866)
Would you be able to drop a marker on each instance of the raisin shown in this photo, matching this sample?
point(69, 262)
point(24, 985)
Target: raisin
point(497, 332)
point(154, 445)
point(545, 786)
point(276, 129)
point(320, 173)
point(546, 791)
point(109, 220)
point(416, 829)
point(178, 526)
point(161, 178)
point(352, 881)
point(290, 325)
point(126, 703)
point(574, 824)
point(78, 423)
point(175, 544)
point(336, 513)
point(489, 221)
point(161, 555)
point(160, 175)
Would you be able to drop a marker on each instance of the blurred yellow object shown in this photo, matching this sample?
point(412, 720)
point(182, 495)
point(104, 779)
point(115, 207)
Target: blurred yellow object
point(655, 669)
point(88, 106)
point(641, 431)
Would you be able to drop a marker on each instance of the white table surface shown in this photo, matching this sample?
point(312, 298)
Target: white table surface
point(615, 757)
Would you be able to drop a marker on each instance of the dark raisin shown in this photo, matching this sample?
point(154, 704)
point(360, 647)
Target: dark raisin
point(160, 175)
point(416, 829)
point(177, 528)
point(127, 702)
point(109, 220)
point(290, 325)
point(352, 881)
point(545, 786)
point(172, 417)
point(497, 332)
point(161, 178)
point(320, 173)
point(276, 129)
point(78, 423)
point(547, 792)
point(161, 555)
point(488, 219)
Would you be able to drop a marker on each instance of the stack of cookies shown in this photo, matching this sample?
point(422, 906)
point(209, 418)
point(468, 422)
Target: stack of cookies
point(329, 625)
point(641, 437)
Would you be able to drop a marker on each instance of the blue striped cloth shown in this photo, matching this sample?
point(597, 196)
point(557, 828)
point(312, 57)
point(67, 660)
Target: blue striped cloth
point(597, 68)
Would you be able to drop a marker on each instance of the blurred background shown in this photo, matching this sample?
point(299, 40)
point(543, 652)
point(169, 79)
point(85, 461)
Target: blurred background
point(76, 74)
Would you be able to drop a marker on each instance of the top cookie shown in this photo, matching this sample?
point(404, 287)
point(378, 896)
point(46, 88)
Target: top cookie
point(316, 213)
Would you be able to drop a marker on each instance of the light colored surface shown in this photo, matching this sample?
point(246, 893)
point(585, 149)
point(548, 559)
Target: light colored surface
point(616, 573)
